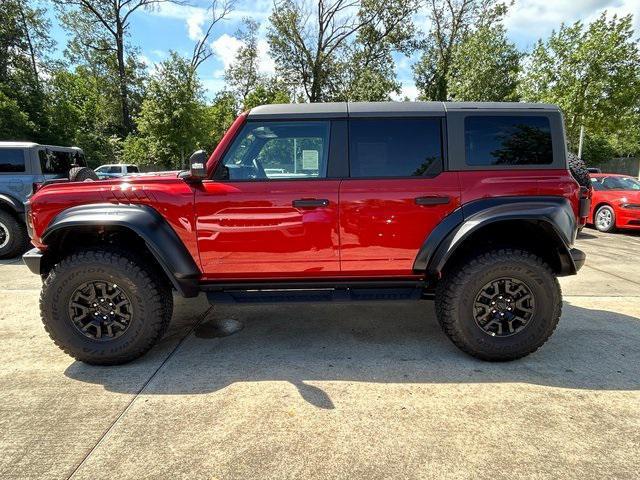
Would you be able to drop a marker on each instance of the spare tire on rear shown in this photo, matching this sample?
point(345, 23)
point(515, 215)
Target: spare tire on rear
point(579, 170)
point(80, 174)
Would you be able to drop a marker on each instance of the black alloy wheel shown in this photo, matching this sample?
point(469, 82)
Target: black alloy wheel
point(503, 307)
point(100, 311)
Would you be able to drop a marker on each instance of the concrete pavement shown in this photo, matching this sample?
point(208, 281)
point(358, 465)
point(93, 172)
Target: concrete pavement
point(332, 391)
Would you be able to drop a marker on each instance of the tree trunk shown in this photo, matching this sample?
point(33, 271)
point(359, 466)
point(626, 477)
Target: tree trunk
point(32, 53)
point(122, 79)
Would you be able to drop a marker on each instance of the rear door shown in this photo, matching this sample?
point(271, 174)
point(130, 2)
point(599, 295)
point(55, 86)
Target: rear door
point(271, 210)
point(396, 194)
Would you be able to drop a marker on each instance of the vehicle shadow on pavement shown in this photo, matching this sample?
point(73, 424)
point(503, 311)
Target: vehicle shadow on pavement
point(401, 343)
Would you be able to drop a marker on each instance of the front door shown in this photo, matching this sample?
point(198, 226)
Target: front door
point(396, 194)
point(271, 211)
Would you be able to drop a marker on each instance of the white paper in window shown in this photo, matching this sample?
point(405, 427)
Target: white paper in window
point(310, 159)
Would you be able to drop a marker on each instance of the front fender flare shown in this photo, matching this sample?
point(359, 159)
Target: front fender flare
point(554, 213)
point(15, 205)
point(147, 223)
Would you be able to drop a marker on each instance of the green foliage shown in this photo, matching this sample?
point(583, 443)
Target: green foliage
point(332, 55)
point(485, 67)
point(171, 123)
point(14, 123)
point(593, 74)
point(452, 21)
point(219, 117)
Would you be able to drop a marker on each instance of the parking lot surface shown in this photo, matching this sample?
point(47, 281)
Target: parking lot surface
point(338, 391)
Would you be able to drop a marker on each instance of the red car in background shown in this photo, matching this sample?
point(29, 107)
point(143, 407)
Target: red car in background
point(615, 202)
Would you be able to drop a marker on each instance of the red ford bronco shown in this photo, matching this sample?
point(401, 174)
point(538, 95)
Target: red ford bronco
point(469, 204)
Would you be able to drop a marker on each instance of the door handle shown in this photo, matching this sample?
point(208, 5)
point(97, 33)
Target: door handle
point(310, 202)
point(434, 200)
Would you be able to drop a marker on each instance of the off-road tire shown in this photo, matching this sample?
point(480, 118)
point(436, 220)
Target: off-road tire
point(150, 297)
point(600, 227)
point(457, 291)
point(80, 174)
point(14, 239)
point(579, 170)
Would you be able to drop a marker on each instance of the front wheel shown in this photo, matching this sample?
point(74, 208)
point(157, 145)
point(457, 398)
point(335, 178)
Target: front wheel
point(105, 307)
point(605, 219)
point(500, 305)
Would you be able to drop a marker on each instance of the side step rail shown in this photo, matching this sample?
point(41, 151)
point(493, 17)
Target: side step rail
point(294, 292)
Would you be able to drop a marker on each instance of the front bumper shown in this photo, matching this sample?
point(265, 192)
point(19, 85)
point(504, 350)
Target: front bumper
point(33, 260)
point(578, 257)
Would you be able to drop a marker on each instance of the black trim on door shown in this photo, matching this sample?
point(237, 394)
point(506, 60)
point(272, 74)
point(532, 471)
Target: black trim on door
point(338, 166)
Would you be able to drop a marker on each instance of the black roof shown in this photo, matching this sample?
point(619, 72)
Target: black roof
point(383, 109)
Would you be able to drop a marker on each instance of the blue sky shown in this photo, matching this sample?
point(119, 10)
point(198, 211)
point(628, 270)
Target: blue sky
point(172, 27)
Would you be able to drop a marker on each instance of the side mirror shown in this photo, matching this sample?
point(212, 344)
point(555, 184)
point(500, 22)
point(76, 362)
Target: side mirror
point(197, 166)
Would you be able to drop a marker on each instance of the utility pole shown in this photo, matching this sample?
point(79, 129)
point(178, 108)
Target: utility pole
point(580, 141)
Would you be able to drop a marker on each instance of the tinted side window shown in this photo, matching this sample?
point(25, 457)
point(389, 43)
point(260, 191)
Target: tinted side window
point(278, 150)
point(395, 147)
point(11, 160)
point(56, 162)
point(508, 140)
point(132, 169)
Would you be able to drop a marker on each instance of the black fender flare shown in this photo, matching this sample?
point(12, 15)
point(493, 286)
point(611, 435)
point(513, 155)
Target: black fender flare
point(147, 223)
point(15, 205)
point(554, 213)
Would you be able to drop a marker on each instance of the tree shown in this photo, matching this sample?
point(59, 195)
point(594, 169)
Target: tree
point(172, 120)
point(311, 44)
point(219, 117)
point(243, 74)
point(82, 114)
point(100, 28)
point(451, 22)
point(202, 49)
point(369, 69)
point(485, 67)
point(593, 74)
point(24, 47)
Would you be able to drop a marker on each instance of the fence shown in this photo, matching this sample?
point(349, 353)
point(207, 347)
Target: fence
point(625, 165)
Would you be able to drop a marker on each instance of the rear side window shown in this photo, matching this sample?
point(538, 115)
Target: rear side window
point(508, 140)
point(11, 160)
point(58, 162)
point(132, 169)
point(395, 147)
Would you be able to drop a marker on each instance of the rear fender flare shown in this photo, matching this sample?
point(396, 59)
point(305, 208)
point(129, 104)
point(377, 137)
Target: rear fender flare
point(554, 213)
point(147, 223)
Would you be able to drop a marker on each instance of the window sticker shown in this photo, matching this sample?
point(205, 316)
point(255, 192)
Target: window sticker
point(310, 159)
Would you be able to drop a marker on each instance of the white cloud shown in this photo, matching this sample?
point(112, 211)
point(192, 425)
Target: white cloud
point(409, 90)
point(225, 47)
point(529, 20)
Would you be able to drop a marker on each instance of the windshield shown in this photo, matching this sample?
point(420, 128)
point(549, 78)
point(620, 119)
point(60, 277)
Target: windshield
point(620, 183)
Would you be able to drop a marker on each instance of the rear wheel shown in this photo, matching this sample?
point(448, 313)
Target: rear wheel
point(605, 219)
point(500, 305)
point(105, 307)
point(13, 236)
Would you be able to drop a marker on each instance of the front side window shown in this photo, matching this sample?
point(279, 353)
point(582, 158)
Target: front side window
point(11, 160)
point(507, 140)
point(395, 147)
point(278, 150)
